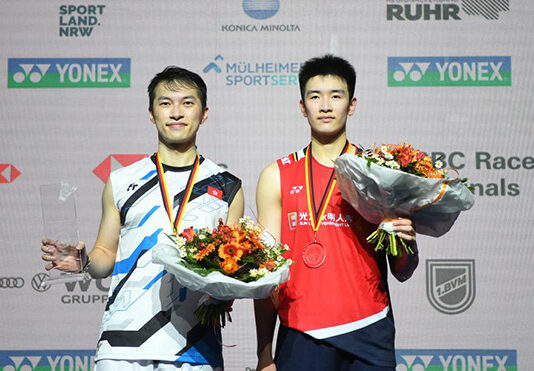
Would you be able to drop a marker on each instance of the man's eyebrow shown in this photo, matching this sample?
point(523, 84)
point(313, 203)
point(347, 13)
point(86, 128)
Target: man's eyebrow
point(330, 91)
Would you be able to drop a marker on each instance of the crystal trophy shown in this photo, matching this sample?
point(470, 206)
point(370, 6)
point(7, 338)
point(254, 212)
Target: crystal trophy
point(61, 225)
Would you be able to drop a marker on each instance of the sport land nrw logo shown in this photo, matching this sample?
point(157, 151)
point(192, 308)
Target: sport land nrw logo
point(449, 71)
point(68, 73)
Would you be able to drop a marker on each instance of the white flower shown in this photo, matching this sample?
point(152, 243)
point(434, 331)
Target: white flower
point(286, 247)
point(263, 271)
point(182, 253)
point(253, 272)
point(380, 161)
point(392, 164)
point(201, 236)
point(180, 242)
point(384, 149)
point(438, 164)
point(388, 156)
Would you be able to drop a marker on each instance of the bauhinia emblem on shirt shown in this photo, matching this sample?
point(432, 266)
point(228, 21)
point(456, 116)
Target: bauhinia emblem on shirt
point(450, 284)
point(215, 192)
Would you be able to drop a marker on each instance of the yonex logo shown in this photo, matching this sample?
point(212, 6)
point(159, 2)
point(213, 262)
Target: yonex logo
point(414, 362)
point(11, 282)
point(456, 359)
point(413, 71)
point(32, 72)
point(17, 363)
point(68, 72)
point(8, 173)
point(296, 190)
point(261, 9)
point(449, 71)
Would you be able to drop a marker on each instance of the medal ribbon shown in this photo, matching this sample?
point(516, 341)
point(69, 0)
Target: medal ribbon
point(316, 214)
point(165, 193)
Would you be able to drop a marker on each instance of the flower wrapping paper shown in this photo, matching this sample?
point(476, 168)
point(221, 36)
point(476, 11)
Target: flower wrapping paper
point(377, 192)
point(216, 284)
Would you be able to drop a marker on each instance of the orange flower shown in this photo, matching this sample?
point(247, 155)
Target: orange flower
point(188, 233)
point(269, 264)
point(205, 251)
point(230, 251)
point(229, 266)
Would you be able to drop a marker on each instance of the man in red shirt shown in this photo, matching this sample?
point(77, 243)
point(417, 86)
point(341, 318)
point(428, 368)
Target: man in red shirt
point(335, 311)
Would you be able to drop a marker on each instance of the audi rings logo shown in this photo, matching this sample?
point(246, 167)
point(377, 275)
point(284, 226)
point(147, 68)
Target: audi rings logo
point(11, 282)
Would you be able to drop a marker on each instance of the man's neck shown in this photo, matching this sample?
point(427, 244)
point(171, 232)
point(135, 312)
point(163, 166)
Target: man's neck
point(178, 155)
point(325, 151)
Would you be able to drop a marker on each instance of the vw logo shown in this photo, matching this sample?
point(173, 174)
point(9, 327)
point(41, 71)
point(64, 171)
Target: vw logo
point(11, 282)
point(37, 282)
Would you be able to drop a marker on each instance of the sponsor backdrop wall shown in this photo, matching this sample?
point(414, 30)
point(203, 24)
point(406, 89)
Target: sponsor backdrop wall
point(452, 77)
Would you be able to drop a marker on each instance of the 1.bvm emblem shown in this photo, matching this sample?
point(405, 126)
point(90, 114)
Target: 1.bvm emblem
point(450, 284)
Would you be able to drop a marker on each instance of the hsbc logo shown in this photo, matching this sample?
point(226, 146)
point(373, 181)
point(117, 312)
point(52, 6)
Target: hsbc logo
point(113, 162)
point(295, 190)
point(8, 173)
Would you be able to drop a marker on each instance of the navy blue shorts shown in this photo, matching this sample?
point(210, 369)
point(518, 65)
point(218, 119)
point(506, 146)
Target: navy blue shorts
point(298, 351)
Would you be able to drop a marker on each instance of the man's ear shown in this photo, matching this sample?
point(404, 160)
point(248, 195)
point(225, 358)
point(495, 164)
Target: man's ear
point(204, 115)
point(303, 108)
point(352, 106)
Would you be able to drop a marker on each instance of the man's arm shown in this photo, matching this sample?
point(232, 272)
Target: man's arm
point(102, 257)
point(269, 205)
point(236, 208)
point(402, 267)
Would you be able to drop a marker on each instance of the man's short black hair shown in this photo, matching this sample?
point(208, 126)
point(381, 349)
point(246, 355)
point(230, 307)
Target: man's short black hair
point(327, 65)
point(175, 76)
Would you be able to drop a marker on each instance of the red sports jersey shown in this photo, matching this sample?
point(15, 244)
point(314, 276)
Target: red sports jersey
point(349, 290)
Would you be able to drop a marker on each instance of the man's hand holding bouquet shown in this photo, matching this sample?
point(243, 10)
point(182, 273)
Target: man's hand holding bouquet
point(395, 180)
point(226, 263)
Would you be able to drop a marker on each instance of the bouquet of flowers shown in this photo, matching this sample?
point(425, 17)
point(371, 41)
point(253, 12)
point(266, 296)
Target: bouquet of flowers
point(226, 263)
point(397, 180)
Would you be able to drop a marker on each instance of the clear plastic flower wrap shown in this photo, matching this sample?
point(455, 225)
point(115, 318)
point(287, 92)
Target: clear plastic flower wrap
point(399, 181)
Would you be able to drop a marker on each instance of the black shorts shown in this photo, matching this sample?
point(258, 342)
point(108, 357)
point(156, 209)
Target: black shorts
point(298, 351)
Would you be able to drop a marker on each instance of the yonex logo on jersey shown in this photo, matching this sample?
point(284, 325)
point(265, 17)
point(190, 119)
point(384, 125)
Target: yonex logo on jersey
point(68, 73)
point(217, 193)
point(113, 162)
point(8, 173)
point(292, 219)
point(296, 190)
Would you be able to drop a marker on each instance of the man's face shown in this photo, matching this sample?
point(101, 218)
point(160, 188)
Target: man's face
point(327, 105)
point(177, 113)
